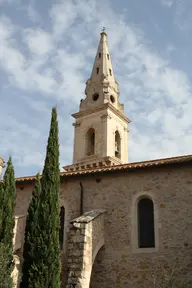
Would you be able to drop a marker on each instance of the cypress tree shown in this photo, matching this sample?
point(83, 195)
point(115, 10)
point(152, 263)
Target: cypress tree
point(31, 234)
point(7, 222)
point(1, 209)
point(5, 268)
point(7, 205)
point(44, 268)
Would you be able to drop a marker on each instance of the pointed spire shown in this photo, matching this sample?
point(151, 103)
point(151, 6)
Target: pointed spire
point(102, 65)
point(102, 87)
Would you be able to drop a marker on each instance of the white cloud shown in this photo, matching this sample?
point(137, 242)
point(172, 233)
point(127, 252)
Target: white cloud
point(20, 139)
point(181, 13)
point(60, 23)
point(38, 41)
point(167, 3)
point(6, 29)
point(57, 62)
point(33, 15)
point(25, 72)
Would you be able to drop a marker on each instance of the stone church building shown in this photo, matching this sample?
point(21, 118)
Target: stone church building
point(123, 225)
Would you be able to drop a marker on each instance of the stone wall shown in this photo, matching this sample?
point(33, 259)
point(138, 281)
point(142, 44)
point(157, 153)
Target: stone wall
point(120, 263)
point(18, 241)
point(19, 229)
point(71, 203)
point(16, 274)
point(86, 237)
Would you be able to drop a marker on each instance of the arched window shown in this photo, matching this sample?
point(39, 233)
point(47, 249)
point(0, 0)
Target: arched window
point(62, 223)
point(117, 145)
point(91, 142)
point(146, 231)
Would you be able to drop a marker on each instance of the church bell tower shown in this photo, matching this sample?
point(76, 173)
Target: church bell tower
point(101, 127)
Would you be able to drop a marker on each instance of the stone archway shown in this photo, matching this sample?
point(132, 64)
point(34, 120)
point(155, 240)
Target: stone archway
point(86, 237)
point(95, 272)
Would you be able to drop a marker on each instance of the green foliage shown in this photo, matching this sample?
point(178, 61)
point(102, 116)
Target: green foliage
point(1, 209)
point(7, 221)
point(5, 268)
point(7, 204)
point(43, 261)
point(31, 233)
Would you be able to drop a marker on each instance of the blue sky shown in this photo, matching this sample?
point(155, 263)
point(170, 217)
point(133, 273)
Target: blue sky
point(47, 49)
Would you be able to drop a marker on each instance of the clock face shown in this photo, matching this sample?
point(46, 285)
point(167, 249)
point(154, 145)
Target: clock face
point(112, 99)
point(95, 96)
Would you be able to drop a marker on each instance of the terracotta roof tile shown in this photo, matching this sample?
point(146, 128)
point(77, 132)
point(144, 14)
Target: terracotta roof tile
point(123, 167)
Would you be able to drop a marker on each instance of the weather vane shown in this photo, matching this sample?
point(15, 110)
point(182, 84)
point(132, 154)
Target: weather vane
point(103, 30)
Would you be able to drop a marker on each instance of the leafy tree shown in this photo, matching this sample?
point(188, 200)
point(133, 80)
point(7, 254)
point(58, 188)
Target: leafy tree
point(43, 268)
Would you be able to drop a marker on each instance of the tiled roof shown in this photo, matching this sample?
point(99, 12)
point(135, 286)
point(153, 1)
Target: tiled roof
point(124, 167)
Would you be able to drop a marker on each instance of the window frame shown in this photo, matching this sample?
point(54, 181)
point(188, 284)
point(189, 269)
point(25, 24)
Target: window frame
point(116, 132)
point(87, 141)
point(141, 221)
point(64, 203)
point(134, 224)
point(62, 228)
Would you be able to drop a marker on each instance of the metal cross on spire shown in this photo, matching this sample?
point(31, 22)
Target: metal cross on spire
point(103, 30)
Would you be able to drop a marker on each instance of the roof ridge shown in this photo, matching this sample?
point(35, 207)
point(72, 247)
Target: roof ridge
point(121, 167)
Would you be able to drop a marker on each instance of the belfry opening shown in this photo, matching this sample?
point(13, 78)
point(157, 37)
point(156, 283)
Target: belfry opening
point(90, 142)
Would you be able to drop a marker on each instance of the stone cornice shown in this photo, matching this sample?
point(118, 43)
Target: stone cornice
point(76, 125)
point(93, 162)
point(105, 116)
point(100, 108)
point(88, 216)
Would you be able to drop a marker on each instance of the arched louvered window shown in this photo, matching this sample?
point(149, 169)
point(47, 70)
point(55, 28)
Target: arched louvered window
point(62, 223)
point(117, 145)
point(146, 231)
